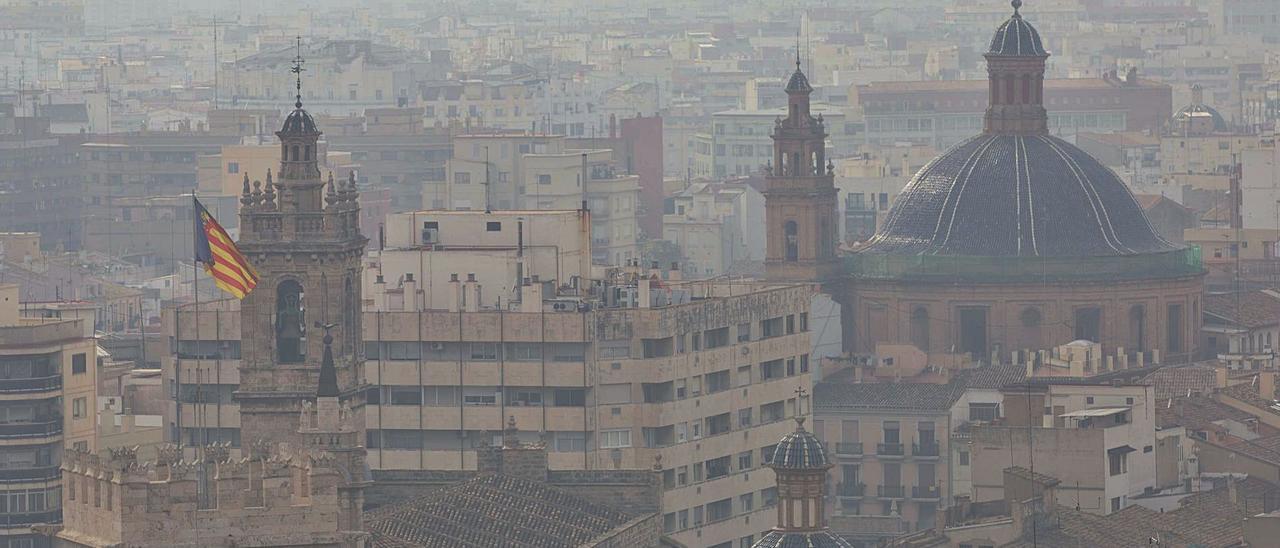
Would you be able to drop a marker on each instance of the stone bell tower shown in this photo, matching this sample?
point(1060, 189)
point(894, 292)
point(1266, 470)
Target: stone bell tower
point(302, 234)
point(800, 197)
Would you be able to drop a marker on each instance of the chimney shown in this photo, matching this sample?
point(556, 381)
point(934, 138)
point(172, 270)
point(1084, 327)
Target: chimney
point(642, 291)
point(531, 296)
point(471, 293)
point(1267, 385)
point(455, 293)
point(1220, 377)
point(410, 287)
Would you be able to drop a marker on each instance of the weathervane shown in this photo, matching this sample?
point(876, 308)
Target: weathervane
point(298, 70)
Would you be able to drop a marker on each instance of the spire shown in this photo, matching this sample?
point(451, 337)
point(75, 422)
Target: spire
point(298, 70)
point(328, 373)
point(1016, 4)
point(800, 395)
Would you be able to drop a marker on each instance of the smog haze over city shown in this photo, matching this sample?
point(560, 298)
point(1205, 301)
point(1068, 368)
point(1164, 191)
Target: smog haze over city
point(647, 274)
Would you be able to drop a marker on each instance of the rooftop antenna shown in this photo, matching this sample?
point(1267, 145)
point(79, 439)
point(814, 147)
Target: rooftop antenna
point(297, 69)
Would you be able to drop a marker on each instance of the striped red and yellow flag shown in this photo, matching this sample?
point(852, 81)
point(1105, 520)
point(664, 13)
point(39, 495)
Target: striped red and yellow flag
point(221, 258)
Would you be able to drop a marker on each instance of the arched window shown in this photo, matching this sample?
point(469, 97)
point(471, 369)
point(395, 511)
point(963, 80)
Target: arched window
point(1031, 336)
point(306, 153)
point(291, 323)
point(1138, 328)
point(294, 153)
point(791, 232)
point(920, 328)
point(350, 314)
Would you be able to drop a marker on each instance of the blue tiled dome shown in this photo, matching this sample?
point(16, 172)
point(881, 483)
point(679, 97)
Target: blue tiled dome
point(781, 539)
point(299, 121)
point(798, 82)
point(1016, 37)
point(799, 450)
point(1016, 196)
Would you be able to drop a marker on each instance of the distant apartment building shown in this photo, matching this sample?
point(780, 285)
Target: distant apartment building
point(1256, 17)
point(48, 360)
point(942, 113)
point(41, 183)
point(1096, 437)
point(533, 172)
point(343, 77)
point(717, 226)
point(738, 143)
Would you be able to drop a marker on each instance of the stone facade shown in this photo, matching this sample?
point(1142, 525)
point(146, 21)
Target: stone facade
point(303, 237)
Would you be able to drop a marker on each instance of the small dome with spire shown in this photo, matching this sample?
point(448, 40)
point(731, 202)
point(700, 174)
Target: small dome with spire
point(299, 122)
point(799, 450)
point(1016, 37)
point(798, 82)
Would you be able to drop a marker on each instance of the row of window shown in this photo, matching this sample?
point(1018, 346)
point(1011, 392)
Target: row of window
point(720, 510)
point(720, 337)
point(449, 440)
point(476, 395)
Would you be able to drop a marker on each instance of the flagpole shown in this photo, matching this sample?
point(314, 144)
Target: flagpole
point(195, 286)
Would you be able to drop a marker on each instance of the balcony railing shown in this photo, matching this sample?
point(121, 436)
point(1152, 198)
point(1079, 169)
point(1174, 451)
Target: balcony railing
point(30, 518)
point(889, 449)
point(891, 491)
point(925, 492)
point(927, 449)
point(39, 473)
point(848, 448)
point(36, 384)
point(851, 490)
point(30, 429)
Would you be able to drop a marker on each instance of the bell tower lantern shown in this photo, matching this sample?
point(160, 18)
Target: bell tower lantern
point(800, 196)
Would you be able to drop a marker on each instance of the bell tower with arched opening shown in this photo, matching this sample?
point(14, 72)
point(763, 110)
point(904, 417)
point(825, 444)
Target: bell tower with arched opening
point(800, 198)
point(302, 233)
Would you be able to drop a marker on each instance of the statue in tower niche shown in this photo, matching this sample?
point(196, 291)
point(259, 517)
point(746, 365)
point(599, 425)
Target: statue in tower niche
point(291, 326)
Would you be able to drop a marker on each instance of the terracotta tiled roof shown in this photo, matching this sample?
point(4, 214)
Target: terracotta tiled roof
point(1255, 308)
point(1177, 381)
point(492, 511)
point(1196, 413)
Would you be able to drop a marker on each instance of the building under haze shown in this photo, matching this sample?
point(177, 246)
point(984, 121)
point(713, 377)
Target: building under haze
point(1011, 240)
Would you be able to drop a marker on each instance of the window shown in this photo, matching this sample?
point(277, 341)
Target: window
point(461, 178)
point(1116, 504)
point(570, 441)
point(744, 332)
point(610, 439)
point(716, 338)
point(804, 363)
point(544, 179)
point(78, 408)
point(744, 460)
point(1117, 462)
point(484, 351)
point(804, 321)
point(984, 412)
point(744, 418)
point(523, 352)
point(744, 375)
point(78, 363)
point(718, 381)
point(791, 324)
point(771, 327)
point(720, 509)
point(487, 398)
point(772, 369)
point(570, 397)
point(233, 167)
point(404, 395)
point(717, 467)
point(493, 226)
point(771, 412)
point(768, 497)
point(718, 424)
point(964, 458)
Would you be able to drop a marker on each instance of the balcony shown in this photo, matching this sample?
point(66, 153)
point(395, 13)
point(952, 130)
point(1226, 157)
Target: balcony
point(39, 473)
point(891, 491)
point(30, 429)
point(851, 490)
point(889, 449)
point(36, 384)
point(848, 449)
point(925, 450)
point(30, 518)
point(925, 492)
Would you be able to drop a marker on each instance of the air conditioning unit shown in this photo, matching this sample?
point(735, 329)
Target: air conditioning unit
point(430, 235)
point(437, 346)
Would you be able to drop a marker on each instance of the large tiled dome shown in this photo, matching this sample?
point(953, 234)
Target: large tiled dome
point(1016, 195)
